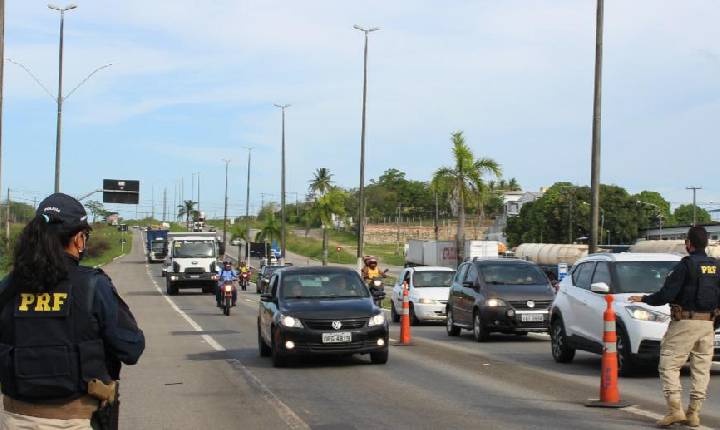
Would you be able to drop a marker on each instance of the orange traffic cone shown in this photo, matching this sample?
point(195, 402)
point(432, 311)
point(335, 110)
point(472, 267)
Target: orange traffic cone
point(405, 322)
point(609, 392)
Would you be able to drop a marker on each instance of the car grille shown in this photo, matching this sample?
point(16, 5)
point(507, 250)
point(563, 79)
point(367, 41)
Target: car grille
point(194, 270)
point(539, 304)
point(327, 324)
point(649, 347)
point(335, 347)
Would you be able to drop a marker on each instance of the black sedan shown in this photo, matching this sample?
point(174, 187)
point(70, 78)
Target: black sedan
point(320, 310)
point(499, 295)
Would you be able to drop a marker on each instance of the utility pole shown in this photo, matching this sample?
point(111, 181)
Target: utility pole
point(595, 161)
point(198, 192)
point(397, 230)
point(282, 185)
point(247, 207)
point(152, 203)
point(570, 218)
point(58, 135)
point(227, 163)
point(192, 186)
point(164, 216)
point(436, 227)
point(361, 208)
point(2, 78)
point(7, 221)
point(694, 191)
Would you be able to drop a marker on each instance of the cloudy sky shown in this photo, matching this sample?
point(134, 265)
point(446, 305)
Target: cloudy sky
point(194, 82)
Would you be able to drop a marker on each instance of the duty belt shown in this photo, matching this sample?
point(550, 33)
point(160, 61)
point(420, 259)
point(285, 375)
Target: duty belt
point(690, 315)
point(81, 408)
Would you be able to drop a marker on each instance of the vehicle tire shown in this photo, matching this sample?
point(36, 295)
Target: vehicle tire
point(627, 365)
point(414, 321)
point(562, 352)
point(209, 289)
point(226, 307)
point(379, 357)
point(265, 350)
point(452, 329)
point(480, 332)
point(393, 313)
point(170, 289)
point(278, 358)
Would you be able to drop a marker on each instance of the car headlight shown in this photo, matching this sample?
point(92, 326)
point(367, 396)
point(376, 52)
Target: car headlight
point(494, 303)
point(289, 321)
point(426, 301)
point(643, 314)
point(376, 320)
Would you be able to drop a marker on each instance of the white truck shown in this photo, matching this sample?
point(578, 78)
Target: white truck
point(192, 261)
point(444, 253)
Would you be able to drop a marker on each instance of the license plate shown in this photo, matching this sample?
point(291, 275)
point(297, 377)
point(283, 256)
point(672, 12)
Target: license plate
point(340, 337)
point(717, 341)
point(532, 317)
point(194, 276)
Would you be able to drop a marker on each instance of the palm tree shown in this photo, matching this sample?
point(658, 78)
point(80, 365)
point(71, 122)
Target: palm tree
point(269, 230)
point(513, 185)
point(462, 179)
point(187, 209)
point(332, 203)
point(321, 182)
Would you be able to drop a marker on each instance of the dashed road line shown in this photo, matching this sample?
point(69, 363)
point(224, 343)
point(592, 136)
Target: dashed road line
point(291, 419)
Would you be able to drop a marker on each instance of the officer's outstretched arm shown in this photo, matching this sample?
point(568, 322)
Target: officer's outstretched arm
point(671, 289)
point(118, 327)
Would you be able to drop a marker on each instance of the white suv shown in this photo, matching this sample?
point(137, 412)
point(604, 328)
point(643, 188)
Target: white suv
point(577, 312)
point(428, 293)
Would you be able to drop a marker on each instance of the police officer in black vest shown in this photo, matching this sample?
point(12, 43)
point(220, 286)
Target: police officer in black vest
point(693, 291)
point(64, 330)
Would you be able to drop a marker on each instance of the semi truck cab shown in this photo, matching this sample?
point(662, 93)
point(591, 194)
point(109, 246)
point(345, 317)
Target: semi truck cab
point(192, 261)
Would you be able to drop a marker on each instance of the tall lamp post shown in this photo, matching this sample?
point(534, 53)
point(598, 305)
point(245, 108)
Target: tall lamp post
point(361, 205)
point(58, 135)
point(247, 207)
point(595, 159)
point(227, 163)
point(282, 184)
point(694, 191)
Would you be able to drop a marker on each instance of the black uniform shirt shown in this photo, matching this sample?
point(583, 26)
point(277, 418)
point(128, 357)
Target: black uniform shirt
point(673, 290)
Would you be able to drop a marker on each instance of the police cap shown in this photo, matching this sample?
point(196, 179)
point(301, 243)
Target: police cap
point(64, 211)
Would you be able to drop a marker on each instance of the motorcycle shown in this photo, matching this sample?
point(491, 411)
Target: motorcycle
point(227, 291)
point(377, 289)
point(244, 279)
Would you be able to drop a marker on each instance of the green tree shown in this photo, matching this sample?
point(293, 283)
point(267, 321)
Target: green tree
point(684, 215)
point(657, 208)
point(187, 210)
point(96, 209)
point(325, 207)
point(321, 181)
point(463, 179)
point(269, 230)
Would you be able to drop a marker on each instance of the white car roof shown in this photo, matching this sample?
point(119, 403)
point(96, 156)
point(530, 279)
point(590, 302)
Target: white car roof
point(432, 268)
point(633, 256)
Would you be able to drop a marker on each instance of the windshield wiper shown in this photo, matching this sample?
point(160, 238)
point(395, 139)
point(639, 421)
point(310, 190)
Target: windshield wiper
point(497, 283)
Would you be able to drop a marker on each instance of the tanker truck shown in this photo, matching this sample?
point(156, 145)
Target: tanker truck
point(552, 257)
point(673, 247)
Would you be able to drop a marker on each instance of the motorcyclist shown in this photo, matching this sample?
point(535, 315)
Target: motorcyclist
point(371, 270)
point(245, 270)
point(225, 274)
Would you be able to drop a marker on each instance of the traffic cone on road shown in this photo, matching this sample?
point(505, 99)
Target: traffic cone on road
point(609, 392)
point(405, 322)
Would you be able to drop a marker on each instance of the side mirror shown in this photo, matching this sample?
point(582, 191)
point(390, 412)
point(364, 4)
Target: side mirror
point(600, 288)
point(266, 297)
point(469, 284)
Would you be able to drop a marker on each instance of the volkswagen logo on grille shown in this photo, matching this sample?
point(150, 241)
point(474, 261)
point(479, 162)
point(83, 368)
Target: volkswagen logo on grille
point(194, 263)
point(337, 325)
point(530, 304)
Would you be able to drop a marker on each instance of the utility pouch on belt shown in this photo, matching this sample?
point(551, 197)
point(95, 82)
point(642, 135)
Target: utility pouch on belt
point(676, 312)
point(106, 417)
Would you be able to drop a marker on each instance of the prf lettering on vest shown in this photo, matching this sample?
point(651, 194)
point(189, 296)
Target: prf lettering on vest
point(44, 302)
point(709, 270)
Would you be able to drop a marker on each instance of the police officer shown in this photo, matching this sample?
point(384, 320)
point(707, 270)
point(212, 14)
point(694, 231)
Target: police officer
point(64, 331)
point(693, 291)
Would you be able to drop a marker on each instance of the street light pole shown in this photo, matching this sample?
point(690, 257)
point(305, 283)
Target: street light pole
point(58, 135)
point(247, 207)
point(694, 191)
point(595, 162)
point(2, 76)
point(282, 185)
point(227, 163)
point(361, 205)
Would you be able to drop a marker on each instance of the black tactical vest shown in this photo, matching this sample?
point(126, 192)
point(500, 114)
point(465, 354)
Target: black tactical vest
point(50, 346)
point(701, 292)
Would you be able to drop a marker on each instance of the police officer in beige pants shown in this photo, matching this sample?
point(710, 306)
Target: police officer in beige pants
point(693, 291)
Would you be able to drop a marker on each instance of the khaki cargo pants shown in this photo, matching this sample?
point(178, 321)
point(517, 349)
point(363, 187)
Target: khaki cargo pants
point(685, 339)
point(9, 421)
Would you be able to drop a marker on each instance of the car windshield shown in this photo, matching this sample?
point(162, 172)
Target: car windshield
point(512, 274)
point(158, 246)
point(424, 279)
point(271, 269)
point(322, 285)
point(193, 248)
point(642, 276)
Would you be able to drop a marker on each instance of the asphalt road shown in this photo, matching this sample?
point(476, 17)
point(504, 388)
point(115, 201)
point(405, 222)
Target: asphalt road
point(202, 370)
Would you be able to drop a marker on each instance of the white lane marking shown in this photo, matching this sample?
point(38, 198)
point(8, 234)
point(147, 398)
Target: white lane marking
point(652, 415)
point(291, 419)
